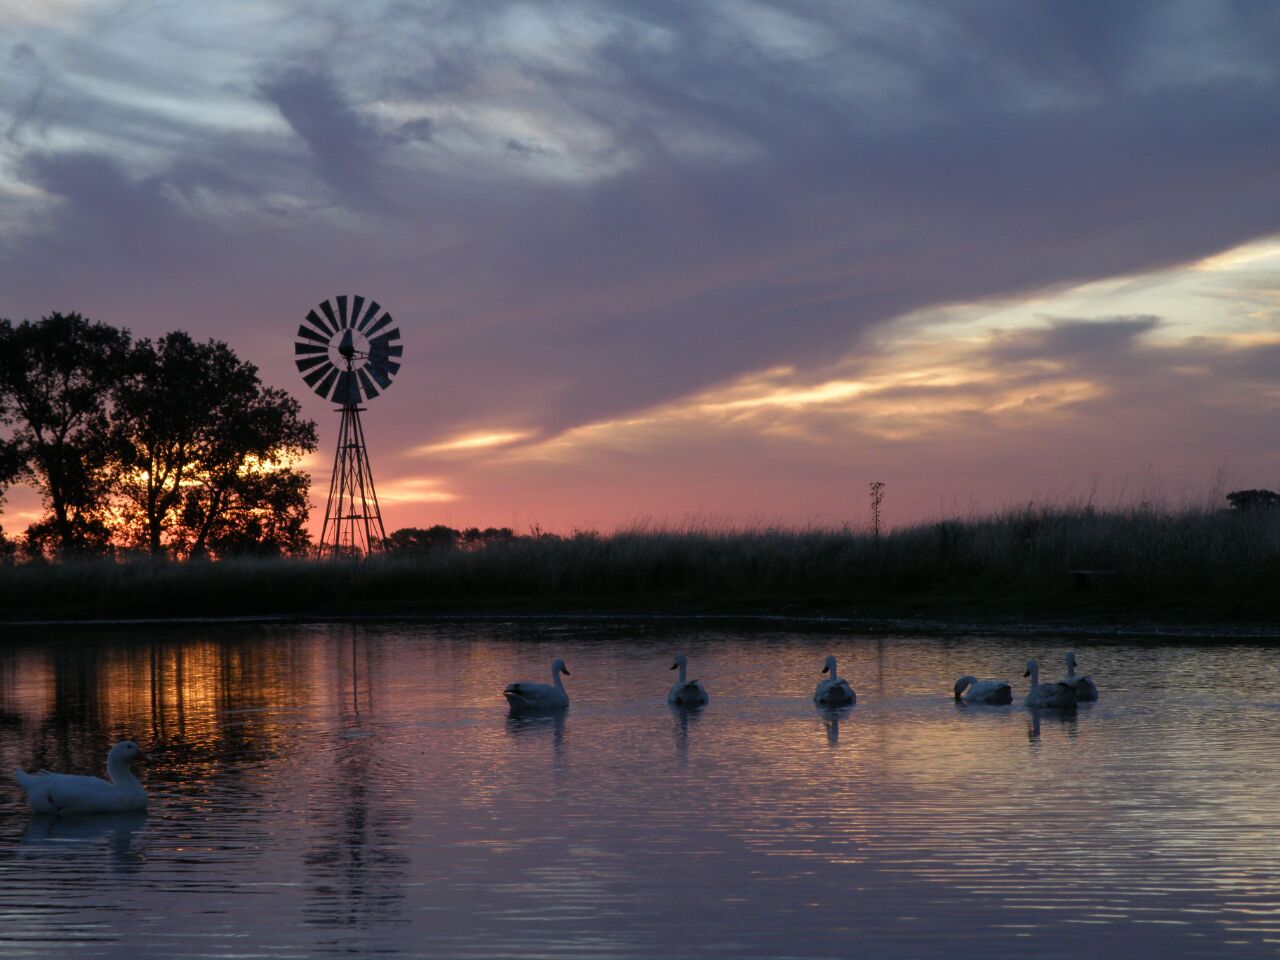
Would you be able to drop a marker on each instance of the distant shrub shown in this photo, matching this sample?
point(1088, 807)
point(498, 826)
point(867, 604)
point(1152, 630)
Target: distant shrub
point(1254, 500)
point(475, 537)
point(418, 540)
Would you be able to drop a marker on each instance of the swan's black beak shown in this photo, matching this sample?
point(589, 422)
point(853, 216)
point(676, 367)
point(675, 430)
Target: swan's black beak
point(1026, 673)
point(565, 671)
point(675, 666)
point(826, 669)
point(957, 696)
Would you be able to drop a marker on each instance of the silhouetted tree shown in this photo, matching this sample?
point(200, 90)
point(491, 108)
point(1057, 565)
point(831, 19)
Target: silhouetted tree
point(10, 460)
point(10, 467)
point(55, 378)
point(195, 436)
point(1254, 500)
point(249, 498)
point(41, 540)
point(261, 512)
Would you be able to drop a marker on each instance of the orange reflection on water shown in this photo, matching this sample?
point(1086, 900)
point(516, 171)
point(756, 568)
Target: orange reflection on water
point(188, 702)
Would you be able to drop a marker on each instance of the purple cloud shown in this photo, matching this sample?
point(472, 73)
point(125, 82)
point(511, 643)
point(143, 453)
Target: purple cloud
point(584, 211)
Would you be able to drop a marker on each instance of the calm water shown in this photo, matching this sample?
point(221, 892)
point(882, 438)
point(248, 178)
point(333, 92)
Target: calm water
point(325, 790)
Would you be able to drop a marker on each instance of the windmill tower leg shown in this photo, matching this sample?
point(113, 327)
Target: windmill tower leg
point(352, 518)
point(370, 514)
point(330, 532)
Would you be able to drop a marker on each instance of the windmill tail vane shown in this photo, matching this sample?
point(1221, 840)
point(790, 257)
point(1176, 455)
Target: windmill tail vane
point(348, 351)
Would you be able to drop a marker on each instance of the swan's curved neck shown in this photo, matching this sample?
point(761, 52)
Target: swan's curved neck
point(1071, 668)
point(1035, 675)
point(682, 670)
point(555, 679)
point(832, 663)
point(121, 774)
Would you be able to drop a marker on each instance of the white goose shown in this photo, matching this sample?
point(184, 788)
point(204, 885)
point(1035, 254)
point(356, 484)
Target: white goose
point(539, 696)
point(1058, 694)
point(835, 690)
point(972, 690)
point(70, 793)
point(1086, 689)
point(686, 693)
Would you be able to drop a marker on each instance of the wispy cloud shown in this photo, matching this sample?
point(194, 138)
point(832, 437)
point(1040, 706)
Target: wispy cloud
point(410, 490)
point(45, 13)
point(472, 442)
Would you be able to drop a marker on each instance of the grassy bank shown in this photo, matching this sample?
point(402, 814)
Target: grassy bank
point(1159, 566)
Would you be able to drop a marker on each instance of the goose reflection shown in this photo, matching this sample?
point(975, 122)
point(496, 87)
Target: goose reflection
point(682, 717)
point(77, 834)
point(977, 708)
point(831, 717)
point(535, 725)
point(1067, 718)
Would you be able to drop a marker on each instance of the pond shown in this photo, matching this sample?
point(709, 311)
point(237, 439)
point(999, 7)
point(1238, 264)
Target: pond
point(322, 790)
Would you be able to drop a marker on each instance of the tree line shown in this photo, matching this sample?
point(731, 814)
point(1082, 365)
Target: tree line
point(169, 447)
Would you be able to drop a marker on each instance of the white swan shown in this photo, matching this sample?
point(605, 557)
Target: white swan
point(686, 693)
point(1086, 689)
point(539, 696)
point(983, 691)
point(1057, 694)
point(835, 690)
point(69, 793)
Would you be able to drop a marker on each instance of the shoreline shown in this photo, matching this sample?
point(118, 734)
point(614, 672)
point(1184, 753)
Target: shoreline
point(1210, 574)
point(1153, 630)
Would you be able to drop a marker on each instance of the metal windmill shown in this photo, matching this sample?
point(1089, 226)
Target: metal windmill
point(347, 351)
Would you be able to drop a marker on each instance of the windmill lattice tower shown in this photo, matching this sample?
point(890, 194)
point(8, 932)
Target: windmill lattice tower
point(347, 351)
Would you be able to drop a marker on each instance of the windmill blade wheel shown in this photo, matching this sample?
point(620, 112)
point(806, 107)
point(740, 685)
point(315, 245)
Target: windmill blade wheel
point(348, 349)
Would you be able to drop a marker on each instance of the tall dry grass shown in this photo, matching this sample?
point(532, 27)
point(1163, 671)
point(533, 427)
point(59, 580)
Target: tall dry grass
point(1150, 561)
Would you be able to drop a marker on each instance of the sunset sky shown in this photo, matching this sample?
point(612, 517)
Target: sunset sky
point(687, 262)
